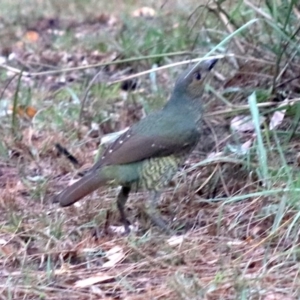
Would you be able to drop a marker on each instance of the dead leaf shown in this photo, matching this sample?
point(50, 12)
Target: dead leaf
point(235, 243)
point(278, 117)
point(298, 159)
point(146, 12)
point(64, 269)
point(24, 111)
point(114, 255)
point(213, 155)
point(121, 230)
point(7, 250)
point(244, 123)
point(97, 278)
point(31, 36)
point(4, 108)
point(175, 240)
point(246, 146)
point(240, 149)
point(277, 296)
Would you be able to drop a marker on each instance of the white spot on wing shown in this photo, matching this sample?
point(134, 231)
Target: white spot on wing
point(110, 151)
point(153, 145)
point(120, 142)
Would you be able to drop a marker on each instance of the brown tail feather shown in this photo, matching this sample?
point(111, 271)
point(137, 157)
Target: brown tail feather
point(86, 185)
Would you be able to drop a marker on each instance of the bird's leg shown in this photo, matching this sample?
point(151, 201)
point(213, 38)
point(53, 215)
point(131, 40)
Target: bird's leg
point(121, 201)
point(152, 212)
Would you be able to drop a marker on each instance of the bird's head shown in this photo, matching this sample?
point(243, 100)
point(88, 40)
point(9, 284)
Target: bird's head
point(191, 82)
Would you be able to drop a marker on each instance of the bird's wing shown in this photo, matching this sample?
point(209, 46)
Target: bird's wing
point(131, 147)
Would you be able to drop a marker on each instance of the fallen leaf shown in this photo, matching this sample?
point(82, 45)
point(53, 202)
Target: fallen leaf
point(175, 240)
point(64, 269)
point(277, 296)
point(215, 155)
point(97, 278)
point(235, 243)
point(31, 36)
point(121, 229)
point(246, 146)
point(24, 111)
point(244, 123)
point(240, 149)
point(4, 108)
point(114, 255)
point(277, 117)
point(7, 250)
point(146, 12)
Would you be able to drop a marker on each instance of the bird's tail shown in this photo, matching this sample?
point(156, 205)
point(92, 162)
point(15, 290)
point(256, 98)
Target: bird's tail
point(89, 183)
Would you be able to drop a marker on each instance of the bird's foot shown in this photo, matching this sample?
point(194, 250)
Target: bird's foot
point(157, 219)
point(159, 222)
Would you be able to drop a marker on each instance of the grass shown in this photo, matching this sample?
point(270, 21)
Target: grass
point(234, 204)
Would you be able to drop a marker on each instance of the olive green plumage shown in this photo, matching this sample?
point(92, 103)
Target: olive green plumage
point(149, 153)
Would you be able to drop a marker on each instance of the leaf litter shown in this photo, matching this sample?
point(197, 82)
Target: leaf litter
point(46, 250)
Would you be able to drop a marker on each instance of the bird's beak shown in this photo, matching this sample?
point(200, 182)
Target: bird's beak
point(210, 63)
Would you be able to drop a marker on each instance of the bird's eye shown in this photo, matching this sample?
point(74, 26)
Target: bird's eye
point(197, 76)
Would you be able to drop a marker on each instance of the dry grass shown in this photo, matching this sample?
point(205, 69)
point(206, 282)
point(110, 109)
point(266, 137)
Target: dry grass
point(236, 216)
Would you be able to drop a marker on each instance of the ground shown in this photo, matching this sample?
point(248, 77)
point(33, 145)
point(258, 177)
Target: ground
point(72, 72)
